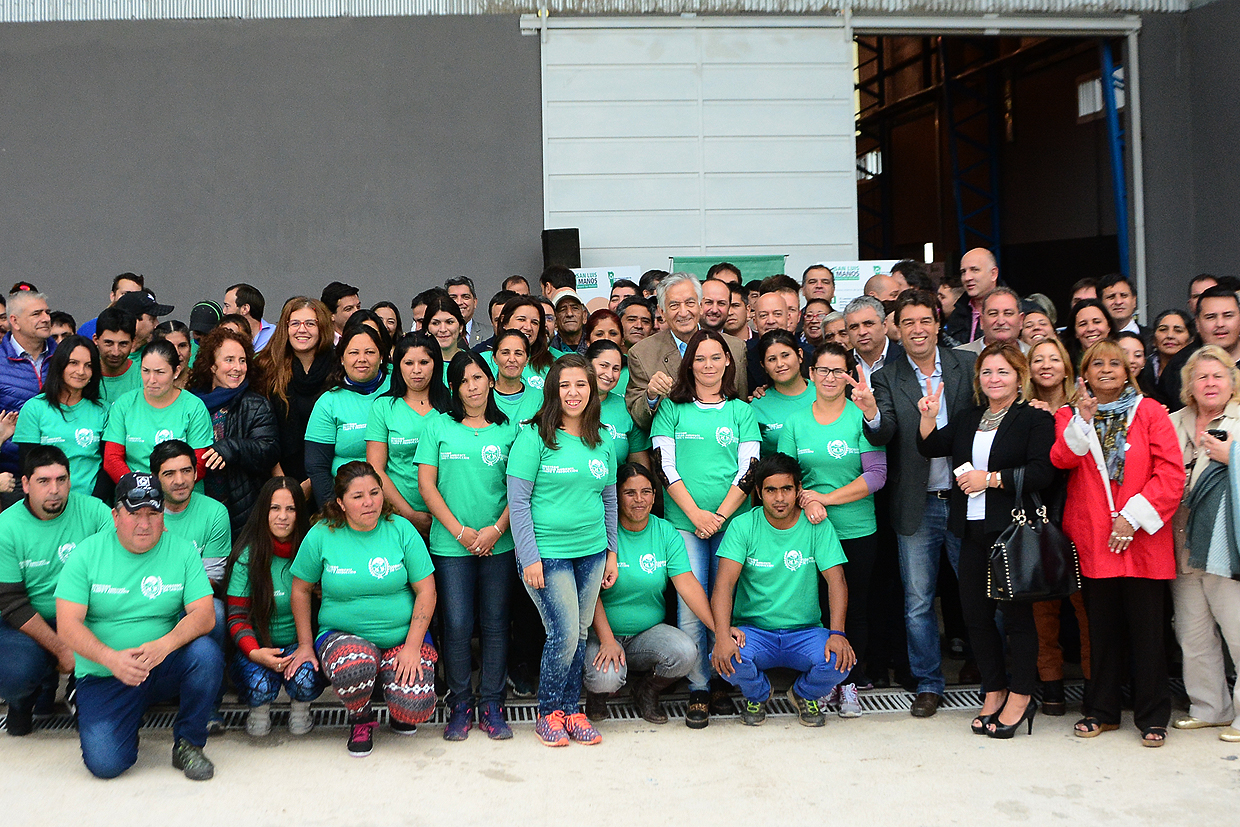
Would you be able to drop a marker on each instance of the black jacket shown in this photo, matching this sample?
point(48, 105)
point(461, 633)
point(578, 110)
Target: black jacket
point(250, 448)
point(291, 419)
point(1024, 438)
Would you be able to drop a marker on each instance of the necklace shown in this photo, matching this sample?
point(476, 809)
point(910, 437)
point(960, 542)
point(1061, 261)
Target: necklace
point(991, 419)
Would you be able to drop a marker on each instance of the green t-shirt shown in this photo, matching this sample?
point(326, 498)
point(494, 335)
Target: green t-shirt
point(648, 559)
point(628, 437)
point(707, 451)
point(393, 422)
point(281, 628)
point(365, 577)
point(112, 388)
point(77, 430)
point(33, 551)
point(519, 407)
point(131, 599)
point(567, 500)
point(778, 586)
point(339, 418)
point(773, 410)
point(204, 522)
point(471, 466)
point(532, 378)
point(136, 424)
point(830, 458)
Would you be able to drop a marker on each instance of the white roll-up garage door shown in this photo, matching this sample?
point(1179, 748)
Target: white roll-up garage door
point(696, 137)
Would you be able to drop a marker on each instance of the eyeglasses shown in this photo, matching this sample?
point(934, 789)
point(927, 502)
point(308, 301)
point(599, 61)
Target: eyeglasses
point(815, 317)
point(837, 373)
point(295, 324)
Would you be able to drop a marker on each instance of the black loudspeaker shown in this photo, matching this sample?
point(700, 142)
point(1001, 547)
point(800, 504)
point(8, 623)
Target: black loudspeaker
point(562, 247)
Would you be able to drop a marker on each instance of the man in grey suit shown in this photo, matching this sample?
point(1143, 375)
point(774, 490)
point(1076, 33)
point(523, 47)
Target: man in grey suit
point(655, 360)
point(918, 485)
point(461, 289)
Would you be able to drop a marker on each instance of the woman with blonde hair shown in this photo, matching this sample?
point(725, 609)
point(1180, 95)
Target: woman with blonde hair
point(296, 366)
point(1206, 592)
point(1125, 479)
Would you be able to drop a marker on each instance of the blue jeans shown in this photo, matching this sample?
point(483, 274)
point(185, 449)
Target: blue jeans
point(110, 712)
point(463, 583)
point(801, 649)
point(664, 650)
point(25, 667)
point(566, 604)
point(258, 685)
point(919, 569)
point(705, 564)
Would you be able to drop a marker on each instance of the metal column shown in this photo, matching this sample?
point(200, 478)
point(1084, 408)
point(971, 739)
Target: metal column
point(1113, 83)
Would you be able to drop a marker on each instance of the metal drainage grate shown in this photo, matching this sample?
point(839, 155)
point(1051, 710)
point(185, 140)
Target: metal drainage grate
point(333, 716)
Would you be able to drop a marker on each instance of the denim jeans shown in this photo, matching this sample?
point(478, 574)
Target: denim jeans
point(25, 667)
point(919, 569)
point(463, 583)
point(662, 649)
point(566, 604)
point(801, 649)
point(110, 712)
point(258, 685)
point(705, 564)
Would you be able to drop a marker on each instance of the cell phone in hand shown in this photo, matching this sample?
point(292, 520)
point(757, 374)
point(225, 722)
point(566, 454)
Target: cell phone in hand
point(1217, 433)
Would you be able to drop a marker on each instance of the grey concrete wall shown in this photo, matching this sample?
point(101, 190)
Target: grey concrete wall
point(387, 152)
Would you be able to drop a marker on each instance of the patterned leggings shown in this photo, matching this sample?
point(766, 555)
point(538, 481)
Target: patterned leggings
point(353, 663)
point(258, 685)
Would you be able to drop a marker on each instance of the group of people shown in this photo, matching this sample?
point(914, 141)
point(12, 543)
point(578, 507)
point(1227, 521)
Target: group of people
point(702, 481)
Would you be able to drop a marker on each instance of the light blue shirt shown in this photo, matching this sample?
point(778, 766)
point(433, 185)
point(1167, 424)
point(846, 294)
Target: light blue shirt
point(265, 330)
point(940, 467)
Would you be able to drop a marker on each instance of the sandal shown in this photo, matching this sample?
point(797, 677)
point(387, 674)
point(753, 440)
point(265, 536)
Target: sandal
point(1153, 736)
point(1091, 727)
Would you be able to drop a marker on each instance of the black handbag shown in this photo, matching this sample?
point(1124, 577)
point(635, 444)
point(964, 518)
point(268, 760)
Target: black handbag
point(1032, 559)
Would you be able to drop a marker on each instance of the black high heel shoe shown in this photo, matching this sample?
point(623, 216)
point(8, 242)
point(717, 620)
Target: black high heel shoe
point(1006, 731)
point(980, 723)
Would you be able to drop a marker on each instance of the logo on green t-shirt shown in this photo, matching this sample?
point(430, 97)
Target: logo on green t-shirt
point(491, 454)
point(725, 436)
point(380, 568)
point(163, 435)
point(649, 564)
point(64, 551)
point(598, 468)
point(795, 560)
point(153, 587)
point(535, 381)
point(85, 437)
point(837, 448)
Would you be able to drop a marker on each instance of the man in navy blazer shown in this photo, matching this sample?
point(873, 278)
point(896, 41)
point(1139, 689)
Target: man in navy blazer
point(920, 487)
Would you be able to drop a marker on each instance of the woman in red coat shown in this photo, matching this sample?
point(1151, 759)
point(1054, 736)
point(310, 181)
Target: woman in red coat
point(1126, 477)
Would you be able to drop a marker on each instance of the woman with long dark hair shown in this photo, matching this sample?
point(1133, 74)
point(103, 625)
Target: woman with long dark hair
point(69, 413)
point(562, 500)
point(390, 314)
point(247, 443)
point(462, 461)
point(400, 417)
point(297, 364)
point(1089, 322)
point(516, 398)
point(336, 432)
point(525, 313)
point(632, 443)
point(705, 440)
point(260, 617)
point(788, 392)
point(442, 319)
point(378, 597)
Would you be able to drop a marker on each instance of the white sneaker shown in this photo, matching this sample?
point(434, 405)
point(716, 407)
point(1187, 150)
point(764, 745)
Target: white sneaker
point(258, 724)
point(850, 706)
point(832, 698)
point(300, 722)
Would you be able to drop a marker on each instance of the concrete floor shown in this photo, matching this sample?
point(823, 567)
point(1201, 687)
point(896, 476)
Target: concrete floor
point(880, 769)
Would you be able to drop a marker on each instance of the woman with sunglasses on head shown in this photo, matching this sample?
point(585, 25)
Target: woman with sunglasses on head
point(562, 499)
point(842, 471)
point(400, 417)
point(462, 463)
point(705, 440)
point(336, 432)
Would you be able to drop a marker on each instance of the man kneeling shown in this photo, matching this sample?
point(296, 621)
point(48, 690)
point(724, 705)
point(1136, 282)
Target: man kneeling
point(769, 557)
point(119, 605)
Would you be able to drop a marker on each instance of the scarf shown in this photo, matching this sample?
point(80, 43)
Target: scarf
point(367, 388)
point(1111, 423)
point(217, 399)
point(281, 548)
point(310, 384)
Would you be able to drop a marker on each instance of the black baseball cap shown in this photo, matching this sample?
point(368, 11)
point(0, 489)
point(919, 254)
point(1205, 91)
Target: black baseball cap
point(141, 302)
point(134, 491)
point(205, 316)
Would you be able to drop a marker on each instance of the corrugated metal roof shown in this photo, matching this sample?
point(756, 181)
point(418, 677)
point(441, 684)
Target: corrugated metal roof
point(16, 11)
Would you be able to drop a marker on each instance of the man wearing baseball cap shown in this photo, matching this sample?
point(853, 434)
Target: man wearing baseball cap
point(570, 319)
point(135, 606)
point(142, 306)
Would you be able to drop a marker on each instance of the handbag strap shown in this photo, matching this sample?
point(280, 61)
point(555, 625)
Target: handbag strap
point(1018, 475)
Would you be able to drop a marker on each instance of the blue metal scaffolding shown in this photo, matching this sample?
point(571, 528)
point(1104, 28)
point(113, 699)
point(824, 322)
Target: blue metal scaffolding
point(1113, 83)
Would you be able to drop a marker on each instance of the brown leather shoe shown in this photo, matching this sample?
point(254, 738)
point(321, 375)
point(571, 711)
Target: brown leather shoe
point(646, 697)
point(925, 704)
point(596, 706)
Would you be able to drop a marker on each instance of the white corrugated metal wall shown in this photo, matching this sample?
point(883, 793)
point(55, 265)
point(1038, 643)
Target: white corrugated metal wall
point(700, 140)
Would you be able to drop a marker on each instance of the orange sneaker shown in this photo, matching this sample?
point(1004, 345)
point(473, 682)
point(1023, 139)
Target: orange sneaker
point(550, 729)
point(581, 730)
